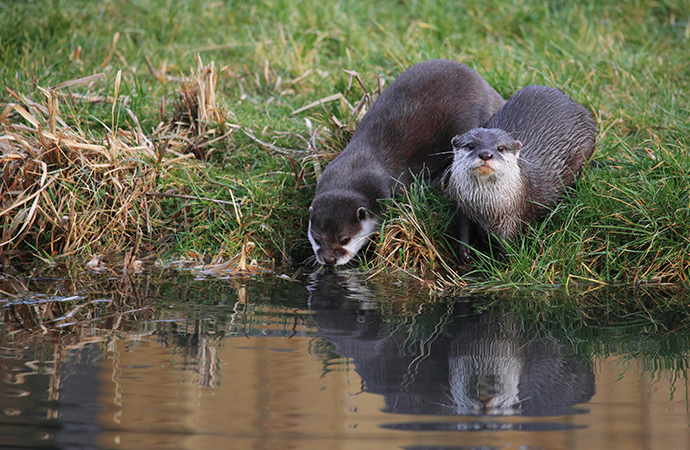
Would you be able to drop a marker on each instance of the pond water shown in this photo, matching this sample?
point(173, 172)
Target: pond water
point(325, 361)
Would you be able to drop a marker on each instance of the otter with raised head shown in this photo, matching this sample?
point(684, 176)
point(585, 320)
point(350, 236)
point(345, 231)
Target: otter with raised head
point(513, 171)
point(406, 133)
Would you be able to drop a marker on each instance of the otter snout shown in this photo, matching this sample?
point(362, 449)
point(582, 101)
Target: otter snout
point(334, 255)
point(331, 253)
point(485, 155)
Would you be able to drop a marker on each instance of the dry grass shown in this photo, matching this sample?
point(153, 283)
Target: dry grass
point(412, 239)
point(198, 122)
point(65, 191)
point(60, 188)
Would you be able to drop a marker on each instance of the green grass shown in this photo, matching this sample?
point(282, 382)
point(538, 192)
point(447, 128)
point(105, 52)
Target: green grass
point(628, 62)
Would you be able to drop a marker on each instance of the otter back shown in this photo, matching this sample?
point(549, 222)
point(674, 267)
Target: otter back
point(405, 133)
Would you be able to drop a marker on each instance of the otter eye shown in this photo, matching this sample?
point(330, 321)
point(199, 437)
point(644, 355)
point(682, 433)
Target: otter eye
point(345, 241)
point(469, 146)
point(501, 148)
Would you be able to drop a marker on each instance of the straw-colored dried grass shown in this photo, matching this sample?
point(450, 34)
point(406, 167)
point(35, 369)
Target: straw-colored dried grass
point(412, 238)
point(65, 191)
point(198, 121)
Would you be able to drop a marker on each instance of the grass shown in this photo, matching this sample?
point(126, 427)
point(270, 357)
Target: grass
point(175, 183)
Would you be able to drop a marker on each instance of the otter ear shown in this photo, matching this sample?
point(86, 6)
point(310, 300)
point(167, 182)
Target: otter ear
point(455, 142)
point(361, 213)
point(311, 209)
point(518, 145)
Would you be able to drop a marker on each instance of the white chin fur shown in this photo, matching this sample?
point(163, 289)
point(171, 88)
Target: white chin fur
point(369, 226)
point(314, 245)
point(488, 200)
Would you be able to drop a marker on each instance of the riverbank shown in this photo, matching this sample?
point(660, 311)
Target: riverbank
point(194, 131)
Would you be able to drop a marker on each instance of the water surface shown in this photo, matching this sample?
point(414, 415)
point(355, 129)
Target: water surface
point(324, 361)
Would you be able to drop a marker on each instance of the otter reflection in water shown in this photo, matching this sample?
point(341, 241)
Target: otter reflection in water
point(447, 360)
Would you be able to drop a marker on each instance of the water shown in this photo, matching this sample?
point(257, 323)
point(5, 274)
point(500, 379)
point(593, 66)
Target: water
point(322, 362)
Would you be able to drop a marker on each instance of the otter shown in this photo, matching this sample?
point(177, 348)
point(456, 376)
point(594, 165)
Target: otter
point(405, 134)
point(512, 172)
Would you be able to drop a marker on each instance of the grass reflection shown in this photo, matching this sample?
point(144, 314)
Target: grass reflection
point(193, 317)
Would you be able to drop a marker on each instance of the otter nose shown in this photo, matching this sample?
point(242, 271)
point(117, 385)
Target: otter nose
point(485, 156)
point(329, 260)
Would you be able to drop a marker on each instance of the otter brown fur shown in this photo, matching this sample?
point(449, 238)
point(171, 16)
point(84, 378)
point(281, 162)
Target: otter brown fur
point(512, 172)
point(406, 133)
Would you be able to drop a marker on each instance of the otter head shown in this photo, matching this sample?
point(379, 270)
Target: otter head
point(486, 152)
point(340, 223)
point(486, 179)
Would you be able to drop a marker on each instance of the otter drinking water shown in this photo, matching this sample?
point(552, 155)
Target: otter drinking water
point(513, 171)
point(406, 133)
